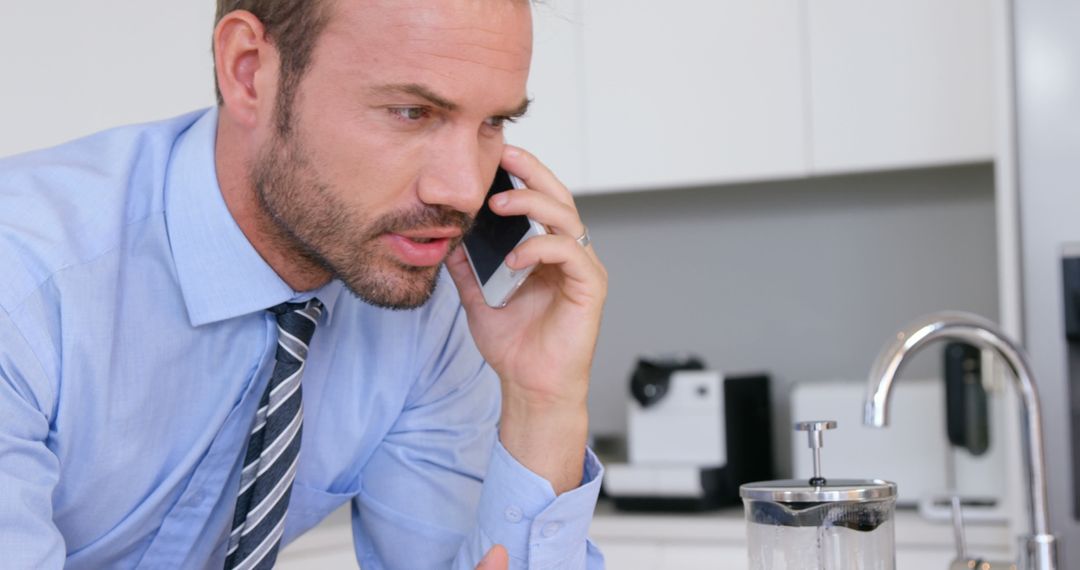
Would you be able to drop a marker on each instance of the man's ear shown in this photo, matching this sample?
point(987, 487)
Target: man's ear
point(246, 64)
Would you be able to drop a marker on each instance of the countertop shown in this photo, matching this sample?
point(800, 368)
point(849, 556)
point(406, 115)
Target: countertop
point(714, 539)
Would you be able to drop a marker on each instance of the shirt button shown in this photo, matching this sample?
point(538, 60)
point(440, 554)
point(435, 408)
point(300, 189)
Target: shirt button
point(551, 529)
point(513, 514)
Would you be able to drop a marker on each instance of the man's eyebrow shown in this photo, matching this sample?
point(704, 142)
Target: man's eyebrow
point(417, 90)
point(520, 110)
point(423, 92)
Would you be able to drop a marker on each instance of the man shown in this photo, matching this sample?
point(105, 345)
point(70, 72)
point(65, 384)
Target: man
point(216, 329)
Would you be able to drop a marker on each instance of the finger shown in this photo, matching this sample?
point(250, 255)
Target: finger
point(580, 268)
point(496, 559)
point(534, 173)
point(561, 218)
point(461, 273)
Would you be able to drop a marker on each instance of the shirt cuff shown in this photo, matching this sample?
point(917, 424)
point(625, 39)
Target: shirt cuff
point(519, 510)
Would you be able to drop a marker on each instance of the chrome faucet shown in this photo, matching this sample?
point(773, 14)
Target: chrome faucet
point(1038, 549)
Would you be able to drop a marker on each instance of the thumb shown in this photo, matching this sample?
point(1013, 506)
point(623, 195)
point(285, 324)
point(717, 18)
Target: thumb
point(468, 289)
point(495, 559)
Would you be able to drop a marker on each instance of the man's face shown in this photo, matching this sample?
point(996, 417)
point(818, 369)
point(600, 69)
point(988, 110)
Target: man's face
point(393, 138)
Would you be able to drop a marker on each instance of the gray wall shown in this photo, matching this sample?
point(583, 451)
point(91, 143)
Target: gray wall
point(805, 279)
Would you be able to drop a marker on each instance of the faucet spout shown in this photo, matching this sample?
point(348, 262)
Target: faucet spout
point(1039, 548)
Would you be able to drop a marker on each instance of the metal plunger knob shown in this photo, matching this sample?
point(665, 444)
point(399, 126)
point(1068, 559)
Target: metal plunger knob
point(814, 433)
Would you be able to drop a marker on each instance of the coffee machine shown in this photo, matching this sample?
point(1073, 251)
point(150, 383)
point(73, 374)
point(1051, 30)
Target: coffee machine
point(694, 435)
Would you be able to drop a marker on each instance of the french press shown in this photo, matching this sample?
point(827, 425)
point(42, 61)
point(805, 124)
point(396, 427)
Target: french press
point(820, 524)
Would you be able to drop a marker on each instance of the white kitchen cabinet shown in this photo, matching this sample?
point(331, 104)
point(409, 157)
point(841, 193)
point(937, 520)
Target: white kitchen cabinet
point(340, 557)
point(328, 546)
point(899, 83)
point(705, 557)
point(635, 94)
point(686, 92)
point(553, 128)
point(640, 554)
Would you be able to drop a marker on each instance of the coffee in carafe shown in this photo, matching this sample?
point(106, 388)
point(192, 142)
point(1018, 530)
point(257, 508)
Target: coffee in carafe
point(820, 524)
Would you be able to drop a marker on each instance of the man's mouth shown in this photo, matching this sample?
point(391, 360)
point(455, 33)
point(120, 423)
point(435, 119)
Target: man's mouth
point(422, 248)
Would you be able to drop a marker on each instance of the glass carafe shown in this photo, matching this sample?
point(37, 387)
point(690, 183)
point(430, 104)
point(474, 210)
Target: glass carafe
point(820, 524)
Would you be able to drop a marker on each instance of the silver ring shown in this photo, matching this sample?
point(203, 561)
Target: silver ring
point(584, 240)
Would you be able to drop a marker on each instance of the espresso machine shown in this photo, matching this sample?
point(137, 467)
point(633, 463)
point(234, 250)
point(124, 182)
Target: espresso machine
point(694, 435)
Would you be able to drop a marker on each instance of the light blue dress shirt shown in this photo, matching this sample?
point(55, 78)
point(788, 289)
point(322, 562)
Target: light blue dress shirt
point(134, 347)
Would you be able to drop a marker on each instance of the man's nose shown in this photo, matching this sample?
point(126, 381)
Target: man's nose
point(456, 176)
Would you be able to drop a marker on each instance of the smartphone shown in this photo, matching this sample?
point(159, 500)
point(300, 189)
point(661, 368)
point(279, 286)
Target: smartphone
point(492, 238)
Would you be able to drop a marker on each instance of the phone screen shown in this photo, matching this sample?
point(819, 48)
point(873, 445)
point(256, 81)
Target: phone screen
point(492, 236)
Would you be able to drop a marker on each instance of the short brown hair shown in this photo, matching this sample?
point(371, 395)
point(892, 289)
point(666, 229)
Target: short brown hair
point(293, 26)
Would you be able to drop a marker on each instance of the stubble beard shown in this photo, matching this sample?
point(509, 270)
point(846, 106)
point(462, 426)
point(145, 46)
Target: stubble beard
point(322, 233)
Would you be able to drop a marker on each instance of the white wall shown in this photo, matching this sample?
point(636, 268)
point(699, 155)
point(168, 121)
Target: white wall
point(72, 68)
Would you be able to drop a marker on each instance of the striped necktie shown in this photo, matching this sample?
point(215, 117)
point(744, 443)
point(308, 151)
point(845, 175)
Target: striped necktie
point(270, 460)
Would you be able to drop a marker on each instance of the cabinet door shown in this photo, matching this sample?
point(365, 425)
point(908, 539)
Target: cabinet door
point(630, 555)
point(685, 92)
point(899, 83)
point(704, 556)
point(553, 129)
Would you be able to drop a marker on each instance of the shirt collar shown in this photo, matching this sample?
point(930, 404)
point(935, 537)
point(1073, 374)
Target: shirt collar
point(221, 274)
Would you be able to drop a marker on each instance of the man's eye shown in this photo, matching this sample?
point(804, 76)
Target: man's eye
point(499, 122)
point(409, 113)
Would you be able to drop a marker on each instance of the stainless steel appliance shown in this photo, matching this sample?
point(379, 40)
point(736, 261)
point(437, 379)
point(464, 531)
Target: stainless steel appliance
point(1044, 211)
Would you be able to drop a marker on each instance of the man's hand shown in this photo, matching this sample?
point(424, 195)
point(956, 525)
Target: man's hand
point(495, 559)
point(541, 344)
